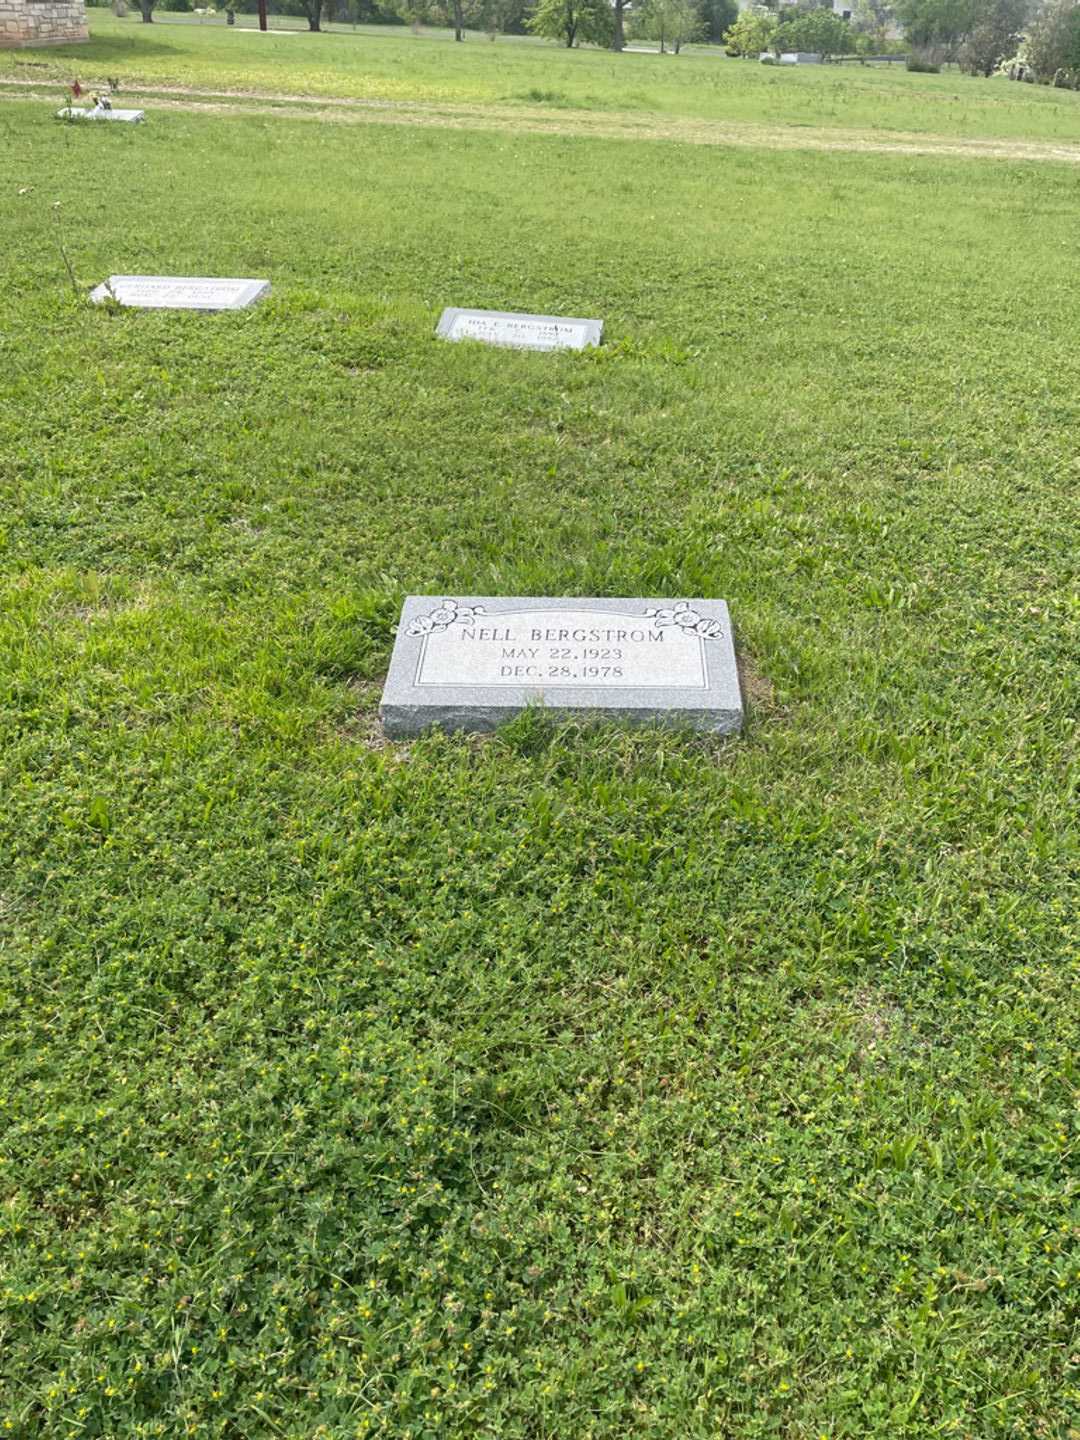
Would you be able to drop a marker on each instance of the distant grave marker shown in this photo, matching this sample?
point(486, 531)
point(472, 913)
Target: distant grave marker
point(174, 292)
point(99, 112)
point(521, 332)
point(472, 663)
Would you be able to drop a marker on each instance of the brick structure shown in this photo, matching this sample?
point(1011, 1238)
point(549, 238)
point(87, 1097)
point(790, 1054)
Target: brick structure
point(42, 22)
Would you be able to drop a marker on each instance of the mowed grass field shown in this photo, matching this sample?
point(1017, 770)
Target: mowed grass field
point(392, 65)
point(571, 1083)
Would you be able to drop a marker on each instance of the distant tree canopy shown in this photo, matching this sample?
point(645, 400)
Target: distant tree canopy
point(993, 34)
point(313, 11)
point(718, 16)
point(453, 13)
point(751, 33)
point(933, 23)
point(508, 16)
point(674, 23)
point(574, 22)
point(817, 30)
point(874, 19)
point(1053, 44)
point(978, 34)
point(679, 20)
point(358, 12)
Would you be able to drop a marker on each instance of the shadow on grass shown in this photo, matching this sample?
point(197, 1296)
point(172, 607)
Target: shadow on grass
point(112, 47)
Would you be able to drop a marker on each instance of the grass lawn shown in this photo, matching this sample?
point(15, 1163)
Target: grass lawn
point(392, 65)
point(568, 1084)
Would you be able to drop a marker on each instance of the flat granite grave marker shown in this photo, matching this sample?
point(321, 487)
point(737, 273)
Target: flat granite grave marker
point(177, 292)
point(473, 662)
point(100, 112)
point(521, 332)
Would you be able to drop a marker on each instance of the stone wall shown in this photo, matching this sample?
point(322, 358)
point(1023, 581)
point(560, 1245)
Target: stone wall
point(42, 22)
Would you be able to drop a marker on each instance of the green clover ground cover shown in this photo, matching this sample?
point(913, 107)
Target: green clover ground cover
point(567, 1083)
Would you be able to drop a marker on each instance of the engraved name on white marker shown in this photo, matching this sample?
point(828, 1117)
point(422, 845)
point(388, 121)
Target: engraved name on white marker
point(520, 332)
point(562, 647)
point(178, 292)
point(99, 112)
point(468, 663)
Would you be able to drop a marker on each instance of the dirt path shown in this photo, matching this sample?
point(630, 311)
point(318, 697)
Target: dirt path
point(539, 120)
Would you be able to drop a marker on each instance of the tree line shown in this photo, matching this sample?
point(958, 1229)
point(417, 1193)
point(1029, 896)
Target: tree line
point(571, 22)
point(1034, 39)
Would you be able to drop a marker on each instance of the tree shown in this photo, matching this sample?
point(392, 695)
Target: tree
point(819, 32)
point(573, 21)
point(672, 22)
point(936, 27)
point(508, 16)
point(1053, 44)
point(147, 8)
point(313, 10)
point(684, 23)
point(618, 31)
point(442, 12)
point(993, 34)
point(495, 16)
point(978, 34)
point(517, 16)
point(752, 32)
point(718, 16)
point(874, 19)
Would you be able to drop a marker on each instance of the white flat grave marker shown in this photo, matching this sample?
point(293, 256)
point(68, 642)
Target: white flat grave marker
point(521, 332)
point(473, 662)
point(175, 292)
point(127, 117)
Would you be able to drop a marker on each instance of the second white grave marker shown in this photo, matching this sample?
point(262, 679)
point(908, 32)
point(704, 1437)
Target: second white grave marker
point(179, 292)
point(99, 112)
point(520, 332)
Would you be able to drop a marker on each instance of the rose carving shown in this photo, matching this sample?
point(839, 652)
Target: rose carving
point(685, 617)
point(450, 612)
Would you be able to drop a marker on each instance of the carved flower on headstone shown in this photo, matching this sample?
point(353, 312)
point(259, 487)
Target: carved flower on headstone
point(686, 617)
point(444, 615)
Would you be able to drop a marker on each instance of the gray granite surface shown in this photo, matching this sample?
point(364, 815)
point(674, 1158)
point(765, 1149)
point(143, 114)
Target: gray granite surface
point(180, 292)
point(125, 117)
point(470, 662)
point(520, 332)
